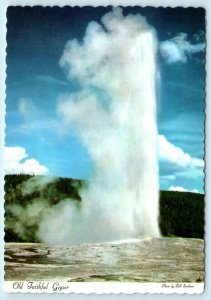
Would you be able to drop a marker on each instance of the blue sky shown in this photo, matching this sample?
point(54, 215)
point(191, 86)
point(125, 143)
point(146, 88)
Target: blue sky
point(35, 81)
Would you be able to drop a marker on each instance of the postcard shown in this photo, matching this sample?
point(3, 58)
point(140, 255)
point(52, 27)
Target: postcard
point(104, 149)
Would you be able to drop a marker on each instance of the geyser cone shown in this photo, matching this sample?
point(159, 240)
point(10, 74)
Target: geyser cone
point(114, 114)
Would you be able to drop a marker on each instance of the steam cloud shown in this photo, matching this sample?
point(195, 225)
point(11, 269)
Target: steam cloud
point(114, 114)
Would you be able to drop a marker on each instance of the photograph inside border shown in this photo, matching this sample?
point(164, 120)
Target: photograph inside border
point(104, 146)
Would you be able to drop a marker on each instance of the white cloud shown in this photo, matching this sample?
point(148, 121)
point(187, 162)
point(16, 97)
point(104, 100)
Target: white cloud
point(16, 161)
point(28, 109)
point(179, 48)
point(174, 155)
point(181, 189)
point(171, 52)
point(35, 119)
point(168, 177)
point(177, 165)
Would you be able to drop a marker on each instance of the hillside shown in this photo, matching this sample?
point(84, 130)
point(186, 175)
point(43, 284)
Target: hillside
point(181, 213)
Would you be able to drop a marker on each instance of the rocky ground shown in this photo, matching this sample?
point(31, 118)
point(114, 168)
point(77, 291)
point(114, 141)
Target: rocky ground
point(147, 260)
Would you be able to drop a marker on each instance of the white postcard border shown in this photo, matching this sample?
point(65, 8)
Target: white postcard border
point(100, 288)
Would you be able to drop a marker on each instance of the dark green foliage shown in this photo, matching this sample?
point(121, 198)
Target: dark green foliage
point(181, 213)
point(12, 192)
point(55, 191)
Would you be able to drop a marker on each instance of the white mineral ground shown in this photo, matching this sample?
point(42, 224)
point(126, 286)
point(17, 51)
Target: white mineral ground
point(140, 260)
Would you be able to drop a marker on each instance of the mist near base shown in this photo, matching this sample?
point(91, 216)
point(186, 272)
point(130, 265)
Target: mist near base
point(114, 115)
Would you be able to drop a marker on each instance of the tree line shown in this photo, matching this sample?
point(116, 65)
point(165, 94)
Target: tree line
point(181, 214)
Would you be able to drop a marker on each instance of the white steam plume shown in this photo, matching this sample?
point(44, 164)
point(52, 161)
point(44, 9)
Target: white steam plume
point(115, 116)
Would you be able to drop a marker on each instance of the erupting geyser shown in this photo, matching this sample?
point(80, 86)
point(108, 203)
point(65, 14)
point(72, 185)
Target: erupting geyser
point(114, 114)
